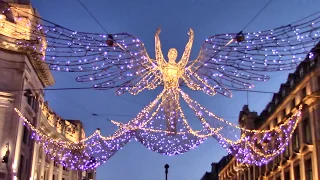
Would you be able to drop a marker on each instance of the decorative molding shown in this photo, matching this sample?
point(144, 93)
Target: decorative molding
point(6, 98)
point(8, 42)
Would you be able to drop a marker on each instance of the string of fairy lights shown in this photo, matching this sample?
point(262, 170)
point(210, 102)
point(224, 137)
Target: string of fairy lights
point(226, 61)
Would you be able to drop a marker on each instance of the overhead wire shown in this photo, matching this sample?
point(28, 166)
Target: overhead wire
point(264, 7)
point(95, 19)
point(92, 88)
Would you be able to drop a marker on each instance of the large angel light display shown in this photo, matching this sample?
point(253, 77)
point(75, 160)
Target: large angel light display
point(226, 62)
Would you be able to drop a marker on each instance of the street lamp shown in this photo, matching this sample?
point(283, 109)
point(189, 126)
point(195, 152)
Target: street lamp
point(166, 167)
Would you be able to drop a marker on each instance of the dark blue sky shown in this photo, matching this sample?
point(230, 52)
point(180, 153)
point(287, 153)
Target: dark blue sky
point(141, 19)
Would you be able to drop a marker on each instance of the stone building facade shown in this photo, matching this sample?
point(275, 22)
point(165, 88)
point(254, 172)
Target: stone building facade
point(301, 159)
point(22, 79)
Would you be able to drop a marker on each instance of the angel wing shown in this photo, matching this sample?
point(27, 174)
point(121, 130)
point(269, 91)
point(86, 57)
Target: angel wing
point(235, 61)
point(108, 60)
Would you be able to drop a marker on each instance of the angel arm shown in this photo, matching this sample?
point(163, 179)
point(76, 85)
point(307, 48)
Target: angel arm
point(187, 50)
point(159, 56)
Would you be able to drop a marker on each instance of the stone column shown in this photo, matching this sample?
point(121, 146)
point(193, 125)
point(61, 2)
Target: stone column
point(50, 172)
point(71, 174)
point(17, 150)
point(35, 159)
point(42, 165)
point(60, 173)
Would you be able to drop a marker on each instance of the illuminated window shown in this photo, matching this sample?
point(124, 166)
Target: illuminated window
point(308, 169)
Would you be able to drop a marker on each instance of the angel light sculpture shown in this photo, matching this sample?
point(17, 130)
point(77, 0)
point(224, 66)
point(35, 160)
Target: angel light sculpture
point(226, 62)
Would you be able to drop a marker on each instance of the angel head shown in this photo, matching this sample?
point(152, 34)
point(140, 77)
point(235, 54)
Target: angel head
point(172, 55)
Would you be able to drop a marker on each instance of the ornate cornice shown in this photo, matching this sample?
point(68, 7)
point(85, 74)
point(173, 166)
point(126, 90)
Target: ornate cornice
point(9, 38)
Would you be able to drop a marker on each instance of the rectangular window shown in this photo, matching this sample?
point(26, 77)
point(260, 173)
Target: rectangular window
point(47, 158)
point(304, 92)
point(35, 105)
point(29, 99)
point(25, 137)
point(32, 100)
point(275, 122)
point(293, 103)
point(270, 164)
point(277, 160)
point(301, 72)
point(283, 93)
point(307, 138)
point(40, 153)
point(55, 163)
point(90, 176)
point(284, 113)
point(286, 152)
point(26, 168)
point(64, 168)
point(287, 175)
point(21, 166)
point(292, 83)
point(263, 169)
point(308, 169)
point(256, 172)
point(297, 172)
point(295, 140)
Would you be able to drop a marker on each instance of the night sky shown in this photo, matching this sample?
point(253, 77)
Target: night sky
point(141, 18)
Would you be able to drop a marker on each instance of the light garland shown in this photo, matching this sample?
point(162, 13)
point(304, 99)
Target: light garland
point(125, 64)
point(121, 61)
point(258, 151)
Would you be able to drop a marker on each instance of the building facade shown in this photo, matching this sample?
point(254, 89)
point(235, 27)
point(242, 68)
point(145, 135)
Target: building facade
point(301, 158)
point(65, 130)
point(22, 79)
